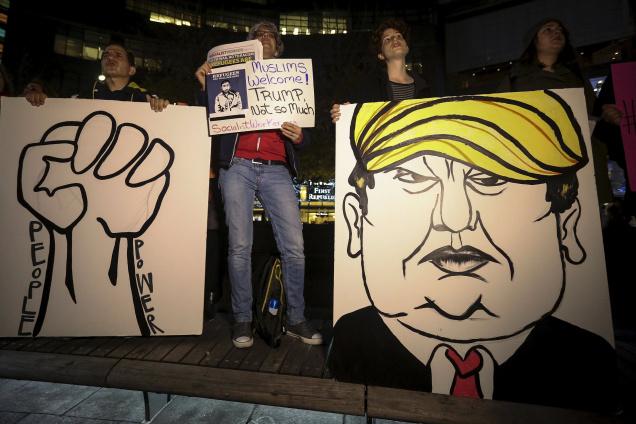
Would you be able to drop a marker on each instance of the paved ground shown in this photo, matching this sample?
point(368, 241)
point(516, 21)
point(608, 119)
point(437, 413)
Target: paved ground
point(33, 402)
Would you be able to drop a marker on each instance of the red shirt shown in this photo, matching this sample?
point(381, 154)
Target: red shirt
point(268, 145)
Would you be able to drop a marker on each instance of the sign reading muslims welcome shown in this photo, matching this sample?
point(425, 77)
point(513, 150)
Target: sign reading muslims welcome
point(259, 95)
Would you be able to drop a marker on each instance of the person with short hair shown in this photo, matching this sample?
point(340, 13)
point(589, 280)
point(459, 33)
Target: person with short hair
point(118, 67)
point(391, 81)
point(227, 100)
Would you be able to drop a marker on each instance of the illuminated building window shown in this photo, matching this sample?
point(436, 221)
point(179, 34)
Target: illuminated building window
point(165, 13)
point(334, 25)
point(75, 47)
point(164, 19)
point(91, 53)
point(218, 24)
point(87, 44)
point(302, 24)
point(294, 24)
point(68, 46)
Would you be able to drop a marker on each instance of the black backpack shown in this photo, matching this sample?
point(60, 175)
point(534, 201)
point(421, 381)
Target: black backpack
point(270, 303)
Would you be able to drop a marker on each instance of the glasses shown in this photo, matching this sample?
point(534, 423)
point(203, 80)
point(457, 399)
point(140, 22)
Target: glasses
point(264, 34)
point(391, 38)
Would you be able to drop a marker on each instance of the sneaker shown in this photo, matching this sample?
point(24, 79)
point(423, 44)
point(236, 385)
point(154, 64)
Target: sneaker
point(305, 333)
point(242, 335)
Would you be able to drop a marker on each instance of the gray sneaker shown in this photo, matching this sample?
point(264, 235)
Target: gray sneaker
point(242, 335)
point(305, 332)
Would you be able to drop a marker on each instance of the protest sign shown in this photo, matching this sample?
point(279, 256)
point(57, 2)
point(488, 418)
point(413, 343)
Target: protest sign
point(103, 218)
point(235, 53)
point(261, 95)
point(625, 92)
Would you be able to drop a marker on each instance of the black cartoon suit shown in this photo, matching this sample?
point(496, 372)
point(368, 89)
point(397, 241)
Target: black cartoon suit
point(559, 364)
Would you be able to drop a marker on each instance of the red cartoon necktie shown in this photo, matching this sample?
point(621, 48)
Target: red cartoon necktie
point(466, 381)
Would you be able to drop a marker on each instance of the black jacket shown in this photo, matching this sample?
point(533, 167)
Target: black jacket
point(558, 364)
point(374, 87)
point(100, 91)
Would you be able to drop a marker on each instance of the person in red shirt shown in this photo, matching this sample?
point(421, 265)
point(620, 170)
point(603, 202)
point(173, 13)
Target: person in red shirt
point(262, 163)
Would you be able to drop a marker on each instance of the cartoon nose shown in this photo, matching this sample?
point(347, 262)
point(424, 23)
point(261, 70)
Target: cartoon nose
point(454, 211)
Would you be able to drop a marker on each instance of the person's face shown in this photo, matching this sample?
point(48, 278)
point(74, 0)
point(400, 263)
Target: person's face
point(115, 62)
point(268, 40)
point(463, 255)
point(550, 38)
point(225, 87)
point(393, 45)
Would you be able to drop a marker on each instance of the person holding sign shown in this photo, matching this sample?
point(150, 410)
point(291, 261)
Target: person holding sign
point(261, 163)
point(390, 42)
point(118, 66)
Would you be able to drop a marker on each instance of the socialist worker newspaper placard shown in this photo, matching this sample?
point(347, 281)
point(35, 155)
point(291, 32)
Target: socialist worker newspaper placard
point(260, 94)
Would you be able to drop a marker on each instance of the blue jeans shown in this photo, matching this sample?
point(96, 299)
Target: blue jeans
point(273, 186)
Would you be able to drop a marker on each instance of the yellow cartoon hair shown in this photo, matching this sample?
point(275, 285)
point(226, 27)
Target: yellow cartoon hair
point(526, 137)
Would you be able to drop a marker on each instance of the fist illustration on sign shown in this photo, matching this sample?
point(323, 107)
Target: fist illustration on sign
point(95, 171)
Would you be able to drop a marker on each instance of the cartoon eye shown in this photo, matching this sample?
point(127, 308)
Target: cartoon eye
point(485, 180)
point(485, 183)
point(421, 182)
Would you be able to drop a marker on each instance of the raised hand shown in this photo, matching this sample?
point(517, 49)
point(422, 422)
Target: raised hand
point(95, 171)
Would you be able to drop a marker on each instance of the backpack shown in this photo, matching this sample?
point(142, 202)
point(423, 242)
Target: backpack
point(270, 303)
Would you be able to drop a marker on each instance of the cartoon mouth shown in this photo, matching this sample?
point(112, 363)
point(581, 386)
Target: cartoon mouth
point(476, 306)
point(458, 262)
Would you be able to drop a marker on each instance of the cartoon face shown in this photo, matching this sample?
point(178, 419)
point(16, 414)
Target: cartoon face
point(550, 38)
point(393, 45)
point(115, 62)
point(460, 259)
point(225, 87)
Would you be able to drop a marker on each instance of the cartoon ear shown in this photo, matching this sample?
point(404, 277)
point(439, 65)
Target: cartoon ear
point(353, 218)
point(570, 244)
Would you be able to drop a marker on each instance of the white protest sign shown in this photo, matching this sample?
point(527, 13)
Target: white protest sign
point(468, 235)
point(261, 95)
point(103, 207)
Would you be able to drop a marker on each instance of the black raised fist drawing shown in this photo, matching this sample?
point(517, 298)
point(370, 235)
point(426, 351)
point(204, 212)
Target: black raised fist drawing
point(99, 171)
